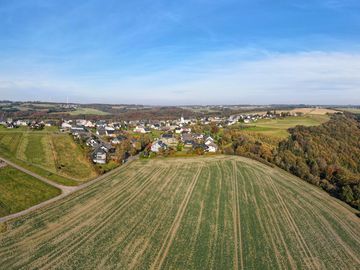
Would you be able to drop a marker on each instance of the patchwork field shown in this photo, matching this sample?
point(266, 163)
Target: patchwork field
point(81, 111)
point(313, 111)
point(278, 127)
point(192, 213)
point(49, 154)
point(19, 191)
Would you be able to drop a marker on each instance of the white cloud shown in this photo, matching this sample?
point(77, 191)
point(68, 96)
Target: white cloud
point(221, 77)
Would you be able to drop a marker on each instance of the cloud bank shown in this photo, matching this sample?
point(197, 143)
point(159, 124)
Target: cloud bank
point(225, 77)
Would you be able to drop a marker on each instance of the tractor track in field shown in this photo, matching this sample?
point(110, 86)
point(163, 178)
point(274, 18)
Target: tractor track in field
point(213, 213)
point(162, 254)
point(155, 198)
point(65, 190)
point(293, 226)
point(94, 231)
point(236, 218)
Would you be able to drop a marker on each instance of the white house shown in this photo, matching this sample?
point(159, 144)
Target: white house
point(99, 156)
point(209, 140)
point(92, 142)
point(138, 129)
point(80, 122)
point(21, 123)
point(212, 148)
point(156, 146)
point(110, 132)
point(66, 125)
point(89, 124)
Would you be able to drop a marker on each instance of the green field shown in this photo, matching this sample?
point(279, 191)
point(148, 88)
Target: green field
point(19, 191)
point(80, 111)
point(50, 154)
point(351, 110)
point(278, 127)
point(194, 213)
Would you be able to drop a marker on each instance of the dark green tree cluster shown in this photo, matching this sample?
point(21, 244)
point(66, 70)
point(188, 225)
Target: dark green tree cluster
point(327, 155)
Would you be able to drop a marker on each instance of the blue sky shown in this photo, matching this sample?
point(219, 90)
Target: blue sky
point(181, 52)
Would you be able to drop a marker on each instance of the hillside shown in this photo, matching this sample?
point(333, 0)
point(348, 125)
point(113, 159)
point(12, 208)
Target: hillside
point(327, 155)
point(193, 213)
point(48, 153)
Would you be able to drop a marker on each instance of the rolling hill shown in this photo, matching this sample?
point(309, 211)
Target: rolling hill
point(48, 153)
point(193, 213)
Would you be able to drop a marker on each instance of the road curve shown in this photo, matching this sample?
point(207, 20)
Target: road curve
point(65, 190)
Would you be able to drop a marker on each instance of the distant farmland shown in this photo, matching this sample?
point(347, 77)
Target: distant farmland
point(278, 127)
point(82, 111)
point(50, 154)
point(192, 213)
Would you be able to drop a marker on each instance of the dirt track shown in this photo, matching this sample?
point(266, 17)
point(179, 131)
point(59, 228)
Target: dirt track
point(65, 190)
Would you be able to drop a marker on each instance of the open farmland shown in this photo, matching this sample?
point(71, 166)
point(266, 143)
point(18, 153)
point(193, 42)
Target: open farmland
point(82, 111)
point(191, 213)
point(19, 191)
point(278, 127)
point(50, 154)
point(313, 111)
point(350, 110)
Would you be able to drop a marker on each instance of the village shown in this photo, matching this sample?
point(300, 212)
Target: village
point(118, 140)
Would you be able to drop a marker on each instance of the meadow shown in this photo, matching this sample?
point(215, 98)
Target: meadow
point(351, 110)
point(48, 153)
point(278, 127)
point(19, 191)
point(82, 111)
point(216, 212)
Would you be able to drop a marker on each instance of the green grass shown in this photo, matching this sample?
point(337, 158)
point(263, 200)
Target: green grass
point(19, 191)
point(194, 213)
point(108, 166)
point(278, 127)
point(50, 154)
point(80, 111)
point(351, 110)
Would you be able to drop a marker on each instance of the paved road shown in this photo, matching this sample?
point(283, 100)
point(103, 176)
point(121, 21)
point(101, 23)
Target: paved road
point(65, 190)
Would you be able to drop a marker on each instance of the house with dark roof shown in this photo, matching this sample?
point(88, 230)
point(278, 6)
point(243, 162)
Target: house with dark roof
point(156, 146)
point(101, 131)
point(99, 155)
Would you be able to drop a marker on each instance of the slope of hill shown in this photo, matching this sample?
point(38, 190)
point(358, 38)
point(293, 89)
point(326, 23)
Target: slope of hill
point(48, 153)
point(195, 213)
point(327, 155)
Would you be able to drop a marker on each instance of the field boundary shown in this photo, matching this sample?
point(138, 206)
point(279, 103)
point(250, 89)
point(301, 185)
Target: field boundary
point(65, 190)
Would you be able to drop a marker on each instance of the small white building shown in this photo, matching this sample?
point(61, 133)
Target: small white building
point(208, 140)
point(138, 129)
point(156, 146)
point(99, 156)
point(66, 125)
point(212, 148)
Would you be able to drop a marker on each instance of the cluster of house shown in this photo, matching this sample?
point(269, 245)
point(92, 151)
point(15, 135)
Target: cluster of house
point(249, 118)
point(10, 123)
point(81, 129)
point(188, 139)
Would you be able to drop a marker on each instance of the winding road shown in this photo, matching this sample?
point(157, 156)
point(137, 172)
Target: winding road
point(65, 190)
